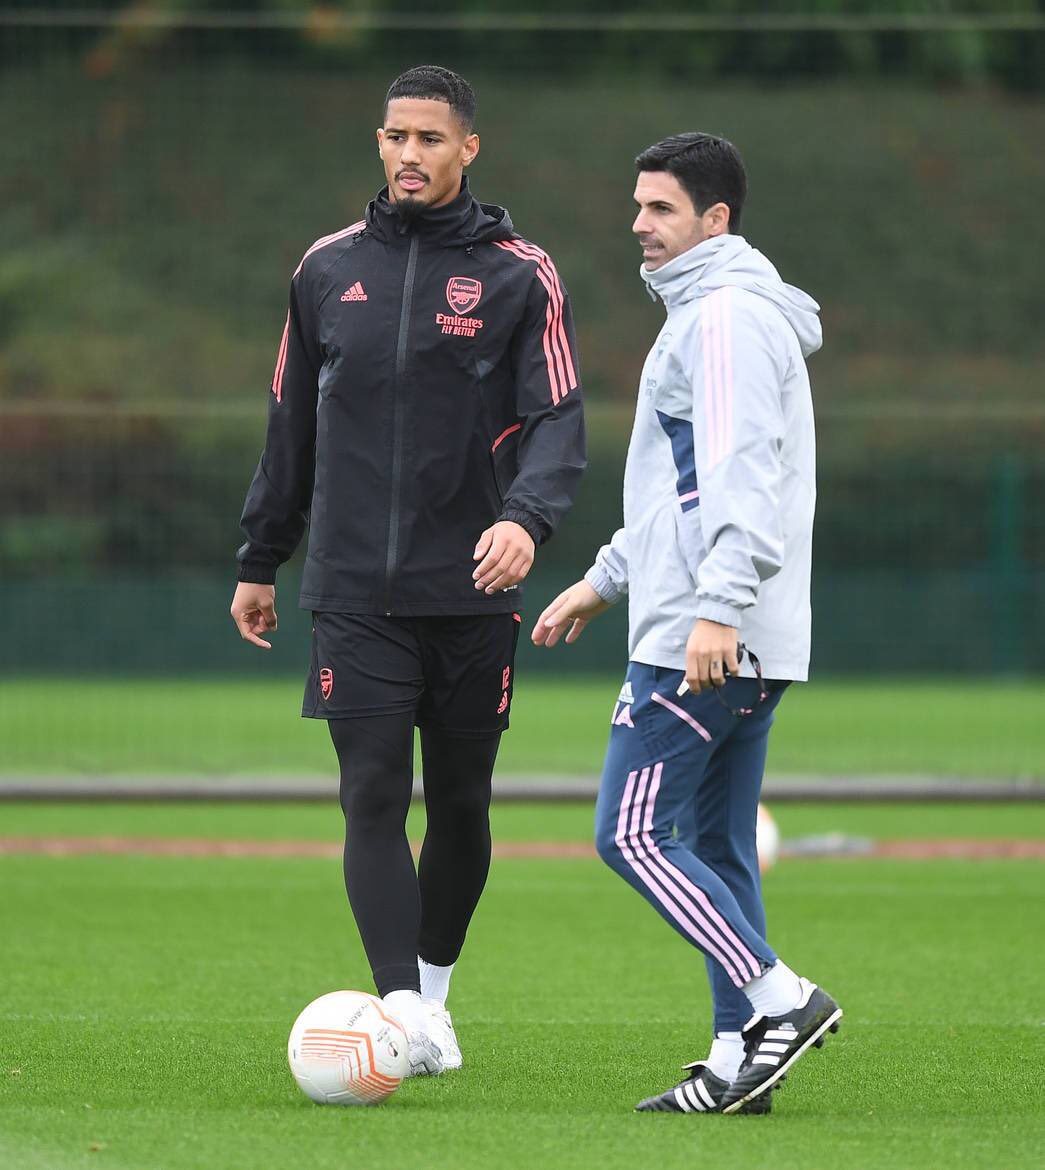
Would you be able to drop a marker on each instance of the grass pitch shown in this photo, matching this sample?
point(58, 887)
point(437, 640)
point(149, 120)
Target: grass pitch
point(147, 1001)
point(559, 725)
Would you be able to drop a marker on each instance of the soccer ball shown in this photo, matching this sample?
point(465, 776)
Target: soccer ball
point(767, 839)
point(346, 1049)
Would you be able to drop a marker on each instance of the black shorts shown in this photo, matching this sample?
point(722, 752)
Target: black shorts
point(454, 673)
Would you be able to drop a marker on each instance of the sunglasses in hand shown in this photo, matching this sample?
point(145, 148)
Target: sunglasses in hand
point(763, 694)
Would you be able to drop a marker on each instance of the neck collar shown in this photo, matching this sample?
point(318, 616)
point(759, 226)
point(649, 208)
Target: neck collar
point(680, 279)
point(449, 221)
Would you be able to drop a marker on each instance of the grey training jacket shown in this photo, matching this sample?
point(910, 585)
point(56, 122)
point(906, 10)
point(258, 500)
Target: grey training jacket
point(719, 486)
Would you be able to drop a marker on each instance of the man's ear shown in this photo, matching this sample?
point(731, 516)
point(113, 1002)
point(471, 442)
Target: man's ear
point(470, 149)
point(716, 219)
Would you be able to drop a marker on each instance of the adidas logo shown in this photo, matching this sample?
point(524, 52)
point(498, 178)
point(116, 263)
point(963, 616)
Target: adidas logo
point(625, 695)
point(355, 293)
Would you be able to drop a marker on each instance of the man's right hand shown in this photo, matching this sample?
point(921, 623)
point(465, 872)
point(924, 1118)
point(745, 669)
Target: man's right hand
point(576, 605)
point(254, 612)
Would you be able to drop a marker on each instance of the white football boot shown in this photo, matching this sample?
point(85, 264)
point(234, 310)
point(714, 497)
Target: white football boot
point(441, 1029)
point(426, 1053)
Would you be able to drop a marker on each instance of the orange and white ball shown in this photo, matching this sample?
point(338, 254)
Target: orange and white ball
point(347, 1049)
point(767, 839)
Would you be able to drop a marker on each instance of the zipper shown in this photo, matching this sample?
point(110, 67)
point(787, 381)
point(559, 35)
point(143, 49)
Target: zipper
point(397, 422)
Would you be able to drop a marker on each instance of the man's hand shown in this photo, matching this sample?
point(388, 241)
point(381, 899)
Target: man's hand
point(711, 652)
point(505, 554)
point(577, 605)
point(254, 612)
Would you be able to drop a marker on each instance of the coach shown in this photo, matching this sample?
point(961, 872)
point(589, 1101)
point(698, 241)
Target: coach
point(714, 556)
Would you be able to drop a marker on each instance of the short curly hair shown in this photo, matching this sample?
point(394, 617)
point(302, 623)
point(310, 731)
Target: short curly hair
point(437, 84)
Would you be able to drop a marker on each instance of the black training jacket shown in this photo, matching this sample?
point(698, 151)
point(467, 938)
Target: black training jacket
point(426, 386)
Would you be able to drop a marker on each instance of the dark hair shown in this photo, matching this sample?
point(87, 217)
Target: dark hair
point(709, 169)
point(437, 84)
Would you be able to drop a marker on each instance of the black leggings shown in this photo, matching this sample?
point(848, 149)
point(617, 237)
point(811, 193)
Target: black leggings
point(402, 913)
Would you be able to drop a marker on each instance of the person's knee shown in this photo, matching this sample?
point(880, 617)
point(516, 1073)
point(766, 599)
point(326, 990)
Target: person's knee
point(611, 843)
point(367, 804)
point(466, 802)
point(729, 849)
point(713, 848)
point(373, 792)
point(376, 768)
point(457, 775)
point(735, 864)
point(460, 818)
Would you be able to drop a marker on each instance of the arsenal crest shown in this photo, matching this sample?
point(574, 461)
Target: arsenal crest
point(463, 293)
point(326, 682)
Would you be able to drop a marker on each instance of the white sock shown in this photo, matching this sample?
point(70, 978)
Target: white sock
point(406, 1006)
point(775, 993)
point(435, 981)
point(726, 1055)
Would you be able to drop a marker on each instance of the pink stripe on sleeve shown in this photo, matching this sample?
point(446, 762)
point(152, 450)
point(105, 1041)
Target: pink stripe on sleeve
point(281, 358)
point(515, 249)
point(562, 374)
point(570, 373)
point(727, 365)
point(281, 361)
point(552, 332)
point(354, 229)
point(707, 333)
point(504, 435)
point(560, 302)
point(556, 372)
point(720, 403)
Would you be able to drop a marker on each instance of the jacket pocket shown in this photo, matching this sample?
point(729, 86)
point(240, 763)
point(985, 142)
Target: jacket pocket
point(689, 541)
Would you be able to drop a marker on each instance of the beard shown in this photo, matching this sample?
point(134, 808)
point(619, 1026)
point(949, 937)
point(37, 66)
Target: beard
point(409, 208)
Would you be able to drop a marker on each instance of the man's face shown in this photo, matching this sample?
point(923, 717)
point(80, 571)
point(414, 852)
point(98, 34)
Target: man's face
point(424, 150)
point(667, 223)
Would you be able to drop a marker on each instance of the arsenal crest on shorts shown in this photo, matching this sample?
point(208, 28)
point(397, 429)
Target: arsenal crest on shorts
point(463, 293)
point(326, 682)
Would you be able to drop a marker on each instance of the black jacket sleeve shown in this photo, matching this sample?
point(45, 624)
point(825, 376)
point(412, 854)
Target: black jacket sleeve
point(276, 509)
point(551, 449)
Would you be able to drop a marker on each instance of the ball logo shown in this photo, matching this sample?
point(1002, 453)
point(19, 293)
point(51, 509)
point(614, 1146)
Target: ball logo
point(463, 293)
point(326, 682)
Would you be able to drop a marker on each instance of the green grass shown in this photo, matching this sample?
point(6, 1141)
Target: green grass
point(271, 820)
point(147, 1001)
point(165, 727)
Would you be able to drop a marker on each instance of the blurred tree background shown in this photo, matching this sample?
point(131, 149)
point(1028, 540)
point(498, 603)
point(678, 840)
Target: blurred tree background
point(163, 167)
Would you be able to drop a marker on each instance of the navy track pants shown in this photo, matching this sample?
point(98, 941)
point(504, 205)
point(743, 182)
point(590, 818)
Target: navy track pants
point(676, 816)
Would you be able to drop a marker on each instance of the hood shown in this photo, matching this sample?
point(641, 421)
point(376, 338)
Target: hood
point(730, 260)
point(460, 222)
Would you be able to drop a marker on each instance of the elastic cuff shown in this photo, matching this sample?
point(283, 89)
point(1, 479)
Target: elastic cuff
point(493, 733)
point(533, 525)
point(437, 951)
point(397, 977)
point(602, 583)
point(256, 574)
point(718, 611)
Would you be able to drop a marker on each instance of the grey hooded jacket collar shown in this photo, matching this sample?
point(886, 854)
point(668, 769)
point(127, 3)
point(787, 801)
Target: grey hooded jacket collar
point(731, 260)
